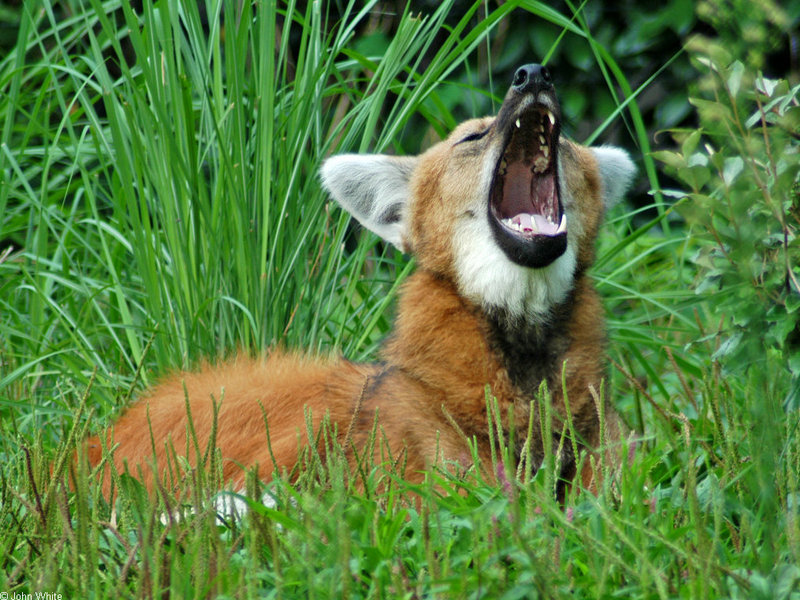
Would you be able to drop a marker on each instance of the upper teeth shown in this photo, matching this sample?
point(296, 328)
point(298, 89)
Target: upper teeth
point(542, 160)
point(550, 117)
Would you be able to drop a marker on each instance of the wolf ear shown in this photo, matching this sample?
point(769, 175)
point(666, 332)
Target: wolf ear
point(374, 188)
point(616, 172)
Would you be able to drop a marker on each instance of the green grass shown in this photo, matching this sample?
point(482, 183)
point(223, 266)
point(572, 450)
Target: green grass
point(159, 204)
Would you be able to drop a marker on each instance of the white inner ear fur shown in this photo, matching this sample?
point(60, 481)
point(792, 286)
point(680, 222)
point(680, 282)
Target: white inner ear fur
point(374, 188)
point(616, 172)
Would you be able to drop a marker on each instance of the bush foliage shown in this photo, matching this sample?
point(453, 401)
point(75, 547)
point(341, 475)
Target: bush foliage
point(741, 171)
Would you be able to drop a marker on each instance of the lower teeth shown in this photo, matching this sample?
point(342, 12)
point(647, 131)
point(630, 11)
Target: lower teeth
point(532, 227)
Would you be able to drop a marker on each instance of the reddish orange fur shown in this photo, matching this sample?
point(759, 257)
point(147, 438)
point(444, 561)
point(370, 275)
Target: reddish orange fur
point(437, 360)
point(279, 387)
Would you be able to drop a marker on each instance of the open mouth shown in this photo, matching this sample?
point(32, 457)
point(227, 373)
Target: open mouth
point(529, 221)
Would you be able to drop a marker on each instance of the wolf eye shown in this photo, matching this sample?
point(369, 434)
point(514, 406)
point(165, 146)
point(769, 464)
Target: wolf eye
point(472, 137)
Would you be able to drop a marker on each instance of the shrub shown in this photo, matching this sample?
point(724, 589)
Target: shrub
point(742, 172)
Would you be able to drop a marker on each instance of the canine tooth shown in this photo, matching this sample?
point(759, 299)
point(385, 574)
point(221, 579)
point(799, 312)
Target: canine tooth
point(562, 227)
point(517, 124)
point(551, 118)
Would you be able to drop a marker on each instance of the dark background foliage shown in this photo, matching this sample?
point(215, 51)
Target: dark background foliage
point(645, 38)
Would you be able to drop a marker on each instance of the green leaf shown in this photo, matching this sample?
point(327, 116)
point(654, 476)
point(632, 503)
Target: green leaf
point(672, 159)
point(728, 346)
point(735, 78)
point(792, 301)
point(689, 145)
point(733, 167)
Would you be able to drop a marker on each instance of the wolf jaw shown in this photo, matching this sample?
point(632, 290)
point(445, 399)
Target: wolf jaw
point(525, 211)
point(532, 196)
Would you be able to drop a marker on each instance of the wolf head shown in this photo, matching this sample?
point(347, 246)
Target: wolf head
point(504, 207)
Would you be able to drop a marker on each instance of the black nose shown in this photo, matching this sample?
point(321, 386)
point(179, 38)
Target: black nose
point(532, 78)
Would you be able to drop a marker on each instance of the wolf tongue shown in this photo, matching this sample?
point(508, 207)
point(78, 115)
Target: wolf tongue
point(534, 224)
point(545, 226)
point(525, 222)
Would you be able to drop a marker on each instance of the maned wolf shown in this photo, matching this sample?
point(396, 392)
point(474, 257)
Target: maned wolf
point(502, 217)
